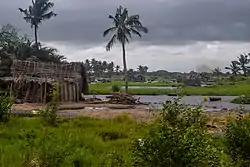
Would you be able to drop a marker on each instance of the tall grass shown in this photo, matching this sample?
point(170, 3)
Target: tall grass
point(88, 141)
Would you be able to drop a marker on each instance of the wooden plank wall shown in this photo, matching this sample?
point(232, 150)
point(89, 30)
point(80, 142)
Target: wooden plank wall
point(69, 92)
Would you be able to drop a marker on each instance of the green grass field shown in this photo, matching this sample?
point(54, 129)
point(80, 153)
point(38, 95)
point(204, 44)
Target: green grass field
point(226, 89)
point(86, 140)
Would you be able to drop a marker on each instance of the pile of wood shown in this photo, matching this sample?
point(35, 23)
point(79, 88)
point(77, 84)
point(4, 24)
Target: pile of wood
point(121, 98)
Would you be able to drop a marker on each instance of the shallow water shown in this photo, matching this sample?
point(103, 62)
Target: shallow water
point(157, 101)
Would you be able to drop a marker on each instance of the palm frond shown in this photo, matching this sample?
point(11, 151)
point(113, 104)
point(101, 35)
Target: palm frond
point(22, 10)
point(135, 32)
point(141, 28)
point(47, 6)
point(109, 30)
point(111, 43)
point(48, 15)
point(126, 31)
point(115, 20)
point(124, 15)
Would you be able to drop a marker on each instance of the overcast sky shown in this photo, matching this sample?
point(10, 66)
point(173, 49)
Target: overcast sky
point(183, 35)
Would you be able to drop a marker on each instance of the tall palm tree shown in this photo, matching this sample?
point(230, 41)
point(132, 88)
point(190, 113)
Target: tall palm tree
point(145, 69)
point(123, 28)
point(140, 69)
point(117, 68)
point(243, 60)
point(36, 13)
point(234, 67)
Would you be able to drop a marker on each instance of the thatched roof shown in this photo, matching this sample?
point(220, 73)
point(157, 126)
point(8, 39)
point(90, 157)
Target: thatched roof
point(35, 79)
point(45, 70)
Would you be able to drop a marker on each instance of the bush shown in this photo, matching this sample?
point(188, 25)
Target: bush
point(51, 111)
point(116, 88)
point(242, 99)
point(178, 138)
point(238, 141)
point(5, 108)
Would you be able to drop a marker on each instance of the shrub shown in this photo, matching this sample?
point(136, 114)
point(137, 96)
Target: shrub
point(242, 99)
point(116, 88)
point(51, 111)
point(5, 108)
point(178, 138)
point(238, 141)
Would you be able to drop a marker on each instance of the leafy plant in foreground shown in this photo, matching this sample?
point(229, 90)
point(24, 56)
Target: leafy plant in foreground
point(242, 99)
point(5, 108)
point(116, 88)
point(51, 111)
point(179, 138)
point(238, 141)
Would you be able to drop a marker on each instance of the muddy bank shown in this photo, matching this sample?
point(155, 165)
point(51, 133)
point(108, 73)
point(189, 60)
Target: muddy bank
point(138, 112)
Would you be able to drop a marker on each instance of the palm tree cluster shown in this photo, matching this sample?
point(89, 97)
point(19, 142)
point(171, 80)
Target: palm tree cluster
point(142, 69)
point(22, 48)
point(100, 68)
point(240, 65)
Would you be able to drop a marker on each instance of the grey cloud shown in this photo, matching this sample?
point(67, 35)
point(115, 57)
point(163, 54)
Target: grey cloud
point(169, 22)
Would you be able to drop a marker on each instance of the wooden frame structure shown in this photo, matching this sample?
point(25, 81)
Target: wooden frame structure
point(33, 81)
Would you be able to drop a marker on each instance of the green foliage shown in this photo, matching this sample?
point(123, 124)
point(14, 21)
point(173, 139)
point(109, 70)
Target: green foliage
point(242, 99)
point(51, 111)
point(238, 141)
point(75, 142)
point(5, 107)
point(223, 89)
point(178, 139)
point(21, 47)
point(116, 88)
point(41, 153)
point(114, 159)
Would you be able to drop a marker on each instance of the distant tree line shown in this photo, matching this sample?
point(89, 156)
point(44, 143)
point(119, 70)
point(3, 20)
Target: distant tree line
point(99, 68)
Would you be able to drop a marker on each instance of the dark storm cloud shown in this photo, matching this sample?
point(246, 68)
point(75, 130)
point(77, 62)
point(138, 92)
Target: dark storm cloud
point(83, 21)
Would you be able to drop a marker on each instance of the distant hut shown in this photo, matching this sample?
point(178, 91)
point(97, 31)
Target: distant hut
point(192, 79)
point(136, 78)
point(32, 81)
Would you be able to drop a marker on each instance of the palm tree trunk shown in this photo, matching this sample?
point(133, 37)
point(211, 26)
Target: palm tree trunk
point(36, 40)
point(125, 67)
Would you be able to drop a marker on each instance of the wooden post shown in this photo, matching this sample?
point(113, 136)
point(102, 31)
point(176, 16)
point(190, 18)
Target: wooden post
point(78, 94)
point(45, 91)
point(41, 89)
point(70, 92)
point(27, 92)
point(74, 92)
point(66, 92)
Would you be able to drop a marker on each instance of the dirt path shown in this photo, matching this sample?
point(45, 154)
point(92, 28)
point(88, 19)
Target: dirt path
point(138, 112)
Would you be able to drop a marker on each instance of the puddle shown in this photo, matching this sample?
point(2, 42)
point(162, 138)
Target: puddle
point(97, 108)
point(110, 108)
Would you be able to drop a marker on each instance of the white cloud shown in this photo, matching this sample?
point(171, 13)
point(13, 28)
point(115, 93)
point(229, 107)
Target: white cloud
point(169, 57)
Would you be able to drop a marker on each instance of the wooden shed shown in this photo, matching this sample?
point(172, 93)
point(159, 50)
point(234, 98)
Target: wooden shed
point(33, 81)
